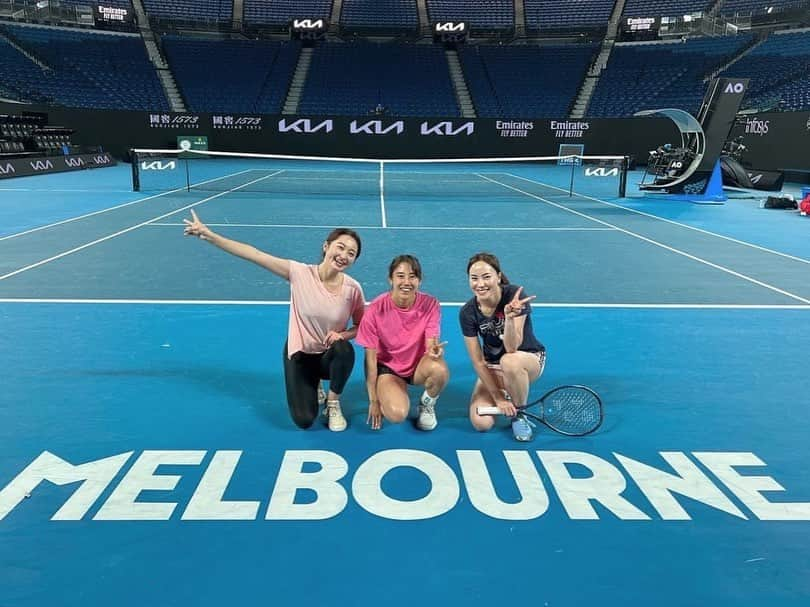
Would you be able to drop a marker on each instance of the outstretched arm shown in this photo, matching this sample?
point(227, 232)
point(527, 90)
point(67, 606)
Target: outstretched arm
point(277, 265)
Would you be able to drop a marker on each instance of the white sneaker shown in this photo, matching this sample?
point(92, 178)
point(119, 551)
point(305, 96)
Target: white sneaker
point(426, 419)
point(334, 416)
point(321, 394)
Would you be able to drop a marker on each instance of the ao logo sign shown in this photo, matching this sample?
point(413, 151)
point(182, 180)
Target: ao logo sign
point(375, 127)
point(601, 172)
point(304, 125)
point(734, 87)
point(446, 128)
point(158, 165)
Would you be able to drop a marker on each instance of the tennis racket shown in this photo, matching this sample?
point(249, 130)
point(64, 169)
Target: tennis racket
point(569, 410)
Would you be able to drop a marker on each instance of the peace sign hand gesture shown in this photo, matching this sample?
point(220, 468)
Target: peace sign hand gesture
point(195, 227)
point(516, 307)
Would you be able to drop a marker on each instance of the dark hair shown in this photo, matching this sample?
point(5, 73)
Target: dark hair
point(410, 260)
point(337, 233)
point(490, 259)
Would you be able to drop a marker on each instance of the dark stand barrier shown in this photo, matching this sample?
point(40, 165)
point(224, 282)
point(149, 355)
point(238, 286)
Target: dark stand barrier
point(21, 167)
point(775, 140)
point(365, 137)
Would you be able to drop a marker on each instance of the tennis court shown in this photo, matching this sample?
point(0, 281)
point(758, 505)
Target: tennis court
point(147, 456)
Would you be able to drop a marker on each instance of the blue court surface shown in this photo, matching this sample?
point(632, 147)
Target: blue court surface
point(147, 456)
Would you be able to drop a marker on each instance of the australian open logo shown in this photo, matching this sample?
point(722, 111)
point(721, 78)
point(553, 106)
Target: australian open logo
point(514, 128)
point(568, 129)
point(755, 126)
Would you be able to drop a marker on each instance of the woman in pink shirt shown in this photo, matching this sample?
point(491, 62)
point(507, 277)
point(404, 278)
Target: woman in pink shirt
point(400, 331)
point(322, 300)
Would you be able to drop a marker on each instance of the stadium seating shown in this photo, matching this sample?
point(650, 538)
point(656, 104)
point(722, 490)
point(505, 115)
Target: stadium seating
point(352, 78)
point(380, 14)
point(525, 81)
point(658, 75)
point(281, 12)
point(665, 8)
point(115, 3)
point(779, 69)
point(88, 69)
point(246, 76)
point(756, 7)
point(481, 15)
point(218, 11)
point(543, 15)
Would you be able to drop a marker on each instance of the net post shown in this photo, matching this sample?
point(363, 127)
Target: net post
point(571, 184)
point(136, 178)
point(623, 177)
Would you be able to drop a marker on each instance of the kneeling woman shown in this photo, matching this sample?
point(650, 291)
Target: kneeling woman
point(323, 299)
point(400, 331)
point(507, 357)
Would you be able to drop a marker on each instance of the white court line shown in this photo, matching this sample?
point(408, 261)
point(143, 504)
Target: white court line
point(420, 228)
point(447, 304)
point(382, 195)
point(129, 229)
point(682, 225)
point(660, 244)
point(50, 190)
point(120, 206)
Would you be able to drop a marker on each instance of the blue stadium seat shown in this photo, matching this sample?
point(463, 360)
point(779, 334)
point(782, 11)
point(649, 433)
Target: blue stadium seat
point(481, 15)
point(241, 76)
point(525, 81)
point(89, 69)
point(352, 78)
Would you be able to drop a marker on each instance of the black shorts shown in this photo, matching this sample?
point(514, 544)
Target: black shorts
point(386, 370)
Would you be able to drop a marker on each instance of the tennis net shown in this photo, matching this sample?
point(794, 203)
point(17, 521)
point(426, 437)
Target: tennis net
point(197, 170)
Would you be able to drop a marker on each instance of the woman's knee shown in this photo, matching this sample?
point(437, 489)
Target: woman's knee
point(303, 419)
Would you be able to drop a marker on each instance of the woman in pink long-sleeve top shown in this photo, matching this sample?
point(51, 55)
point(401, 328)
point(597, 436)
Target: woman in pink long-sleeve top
point(323, 299)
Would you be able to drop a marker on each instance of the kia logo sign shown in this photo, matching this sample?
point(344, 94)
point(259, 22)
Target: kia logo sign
point(74, 162)
point(601, 172)
point(304, 125)
point(734, 87)
point(308, 24)
point(375, 127)
point(102, 159)
point(7, 169)
point(450, 27)
point(446, 128)
point(158, 165)
point(41, 165)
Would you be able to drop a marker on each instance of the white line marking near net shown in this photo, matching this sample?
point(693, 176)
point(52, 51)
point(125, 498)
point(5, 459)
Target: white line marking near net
point(676, 223)
point(382, 195)
point(662, 245)
point(120, 206)
point(447, 304)
point(125, 230)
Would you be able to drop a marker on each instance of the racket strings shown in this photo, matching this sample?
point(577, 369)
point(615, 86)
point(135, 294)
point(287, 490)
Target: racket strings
point(572, 410)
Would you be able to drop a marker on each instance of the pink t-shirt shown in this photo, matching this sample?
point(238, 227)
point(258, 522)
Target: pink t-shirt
point(399, 335)
point(314, 310)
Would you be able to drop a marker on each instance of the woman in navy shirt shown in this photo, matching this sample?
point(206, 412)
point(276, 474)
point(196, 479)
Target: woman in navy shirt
point(507, 357)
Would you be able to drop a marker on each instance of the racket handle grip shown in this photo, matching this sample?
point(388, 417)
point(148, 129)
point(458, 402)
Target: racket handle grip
point(488, 411)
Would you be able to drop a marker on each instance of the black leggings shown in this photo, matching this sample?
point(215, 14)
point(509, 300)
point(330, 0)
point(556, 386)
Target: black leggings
point(302, 373)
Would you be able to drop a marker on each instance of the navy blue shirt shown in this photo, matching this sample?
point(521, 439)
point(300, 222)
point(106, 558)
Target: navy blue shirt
point(490, 328)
